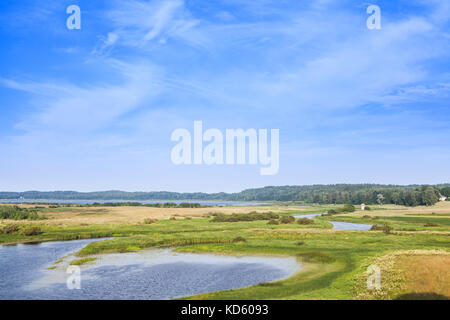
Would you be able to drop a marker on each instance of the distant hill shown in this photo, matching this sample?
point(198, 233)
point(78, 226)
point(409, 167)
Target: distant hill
point(410, 195)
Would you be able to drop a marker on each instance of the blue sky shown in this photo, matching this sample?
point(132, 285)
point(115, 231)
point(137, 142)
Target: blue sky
point(93, 109)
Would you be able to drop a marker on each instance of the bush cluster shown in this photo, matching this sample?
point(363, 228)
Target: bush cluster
point(17, 213)
point(236, 217)
point(383, 227)
point(305, 221)
point(431, 224)
point(9, 228)
point(345, 209)
point(150, 220)
point(31, 231)
point(287, 219)
point(239, 239)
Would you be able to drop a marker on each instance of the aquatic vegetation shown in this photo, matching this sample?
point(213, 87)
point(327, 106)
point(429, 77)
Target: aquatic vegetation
point(239, 239)
point(31, 231)
point(82, 261)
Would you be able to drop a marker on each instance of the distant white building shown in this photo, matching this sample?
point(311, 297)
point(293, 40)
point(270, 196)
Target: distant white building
point(442, 198)
point(363, 207)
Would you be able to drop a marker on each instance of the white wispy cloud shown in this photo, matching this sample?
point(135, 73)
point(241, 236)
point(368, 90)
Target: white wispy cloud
point(140, 23)
point(72, 115)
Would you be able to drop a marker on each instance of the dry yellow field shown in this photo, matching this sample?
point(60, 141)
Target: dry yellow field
point(440, 208)
point(406, 272)
point(425, 273)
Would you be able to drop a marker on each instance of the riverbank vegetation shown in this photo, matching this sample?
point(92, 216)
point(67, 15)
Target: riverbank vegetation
point(18, 213)
point(79, 262)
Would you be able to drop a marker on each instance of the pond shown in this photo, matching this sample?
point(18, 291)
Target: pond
point(147, 274)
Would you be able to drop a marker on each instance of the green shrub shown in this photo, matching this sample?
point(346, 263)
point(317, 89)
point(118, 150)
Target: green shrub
point(431, 224)
point(150, 220)
point(348, 208)
point(18, 213)
point(287, 219)
point(235, 217)
point(305, 221)
point(300, 243)
point(317, 256)
point(239, 239)
point(9, 228)
point(331, 212)
point(31, 231)
point(383, 227)
point(368, 208)
point(366, 217)
point(273, 221)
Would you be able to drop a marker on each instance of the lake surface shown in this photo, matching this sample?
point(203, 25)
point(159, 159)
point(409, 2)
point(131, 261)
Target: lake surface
point(337, 225)
point(205, 203)
point(148, 274)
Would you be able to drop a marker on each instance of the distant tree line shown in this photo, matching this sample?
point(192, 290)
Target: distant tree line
point(411, 195)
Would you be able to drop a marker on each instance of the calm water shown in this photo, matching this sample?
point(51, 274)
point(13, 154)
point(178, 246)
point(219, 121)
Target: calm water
point(148, 274)
point(350, 226)
point(205, 203)
point(339, 225)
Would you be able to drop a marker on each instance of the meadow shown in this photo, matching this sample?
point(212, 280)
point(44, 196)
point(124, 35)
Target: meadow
point(413, 255)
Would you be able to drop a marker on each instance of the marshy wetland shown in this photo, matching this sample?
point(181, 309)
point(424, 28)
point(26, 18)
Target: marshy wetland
point(30, 272)
point(131, 243)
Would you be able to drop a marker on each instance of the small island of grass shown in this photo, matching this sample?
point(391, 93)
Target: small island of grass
point(82, 261)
